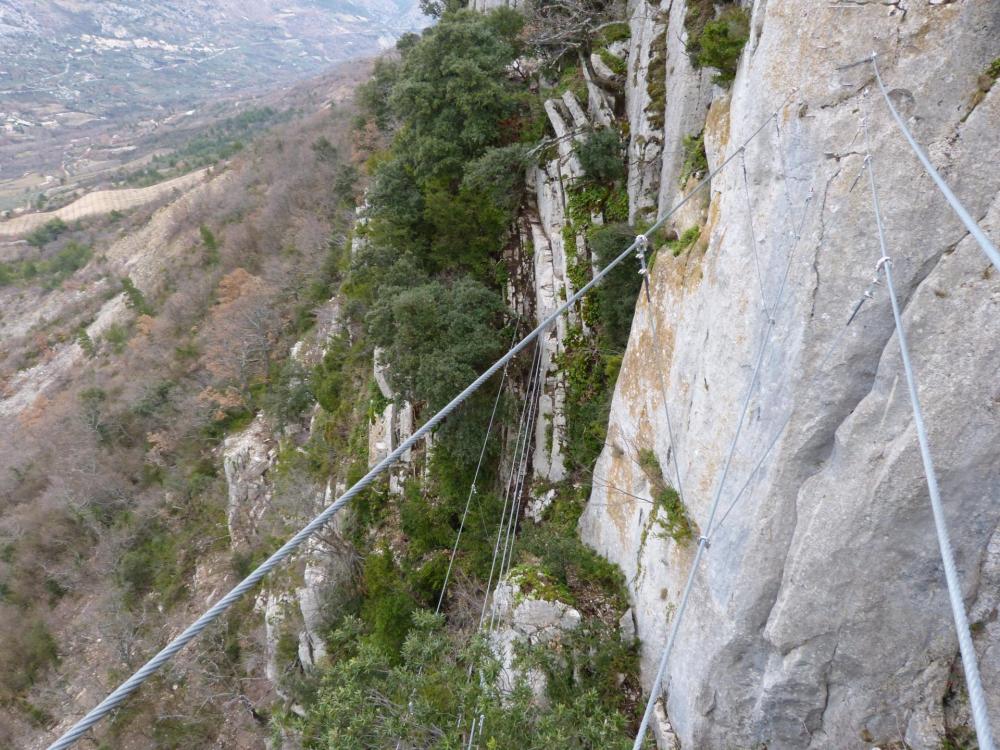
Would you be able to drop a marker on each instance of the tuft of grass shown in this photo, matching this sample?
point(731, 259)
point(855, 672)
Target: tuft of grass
point(688, 237)
point(674, 519)
point(617, 64)
point(615, 32)
point(993, 70)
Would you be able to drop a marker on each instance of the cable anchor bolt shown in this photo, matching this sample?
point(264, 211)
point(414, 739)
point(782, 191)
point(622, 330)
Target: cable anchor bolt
point(641, 246)
point(883, 261)
point(705, 540)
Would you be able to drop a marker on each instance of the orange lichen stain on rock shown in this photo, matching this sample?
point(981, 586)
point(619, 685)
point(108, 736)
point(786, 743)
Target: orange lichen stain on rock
point(617, 506)
point(717, 122)
point(701, 261)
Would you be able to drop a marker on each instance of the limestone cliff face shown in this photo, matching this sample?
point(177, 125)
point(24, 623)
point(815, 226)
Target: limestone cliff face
point(819, 618)
point(295, 605)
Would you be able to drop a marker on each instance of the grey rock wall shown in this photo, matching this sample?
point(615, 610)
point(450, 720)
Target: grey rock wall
point(819, 618)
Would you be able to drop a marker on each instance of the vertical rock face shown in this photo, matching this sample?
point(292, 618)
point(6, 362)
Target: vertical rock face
point(547, 221)
point(819, 616)
point(389, 428)
point(687, 94)
point(644, 102)
point(247, 458)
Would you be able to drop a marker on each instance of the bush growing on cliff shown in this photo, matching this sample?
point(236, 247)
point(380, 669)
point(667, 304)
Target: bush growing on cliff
point(721, 42)
point(134, 297)
point(499, 175)
point(674, 519)
point(602, 156)
point(438, 337)
point(420, 696)
point(453, 93)
point(695, 162)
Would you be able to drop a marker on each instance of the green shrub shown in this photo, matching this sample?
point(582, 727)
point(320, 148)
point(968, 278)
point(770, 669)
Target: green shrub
point(50, 273)
point(47, 232)
point(588, 398)
point(614, 299)
point(422, 694)
point(86, 343)
point(68, 261)
point(388, 606)
point(499, 174)
point(117, 336)
point(211, 245)
point(453, 92)
point(437, 337)
point(28, 652)
point(152, 562)
point(602, 156)
point(289, 392)
point(424, 524)
point(134, 297)
point(695, 162)
point(330, 377)
point(721, 42)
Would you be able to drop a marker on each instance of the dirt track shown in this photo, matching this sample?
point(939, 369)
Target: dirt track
point(99, 203)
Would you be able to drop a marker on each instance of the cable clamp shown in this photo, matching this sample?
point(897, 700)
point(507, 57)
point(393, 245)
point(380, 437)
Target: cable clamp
point(641, 245)
point(705, 540)
point(884, 260)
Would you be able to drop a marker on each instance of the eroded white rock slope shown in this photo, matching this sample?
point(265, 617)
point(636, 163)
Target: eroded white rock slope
point(820, 618)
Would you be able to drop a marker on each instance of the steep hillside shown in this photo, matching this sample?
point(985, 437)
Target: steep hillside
point(132, 345)
point(511, 580)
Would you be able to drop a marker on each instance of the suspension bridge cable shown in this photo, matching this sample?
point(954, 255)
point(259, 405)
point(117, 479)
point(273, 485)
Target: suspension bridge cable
point(130, 685)
point(703, 541)
point(515, 463)
point(977, 700)
point(753, 235)
point(511, 535)
point(865, 296)
point(518, 491)
point(475, 478)
point(974, 229)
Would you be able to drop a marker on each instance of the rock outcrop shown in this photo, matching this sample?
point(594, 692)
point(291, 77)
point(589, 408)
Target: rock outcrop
point(524, 618)
point(247, 457)
point(819, 618)
point(295, 609)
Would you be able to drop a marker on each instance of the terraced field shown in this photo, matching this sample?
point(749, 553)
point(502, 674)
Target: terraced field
point(101, 202)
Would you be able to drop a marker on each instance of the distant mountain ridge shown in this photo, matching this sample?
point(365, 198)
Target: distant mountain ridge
point(112, 58)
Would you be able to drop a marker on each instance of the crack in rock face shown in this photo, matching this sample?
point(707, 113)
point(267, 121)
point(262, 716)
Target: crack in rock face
point(820, 616)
